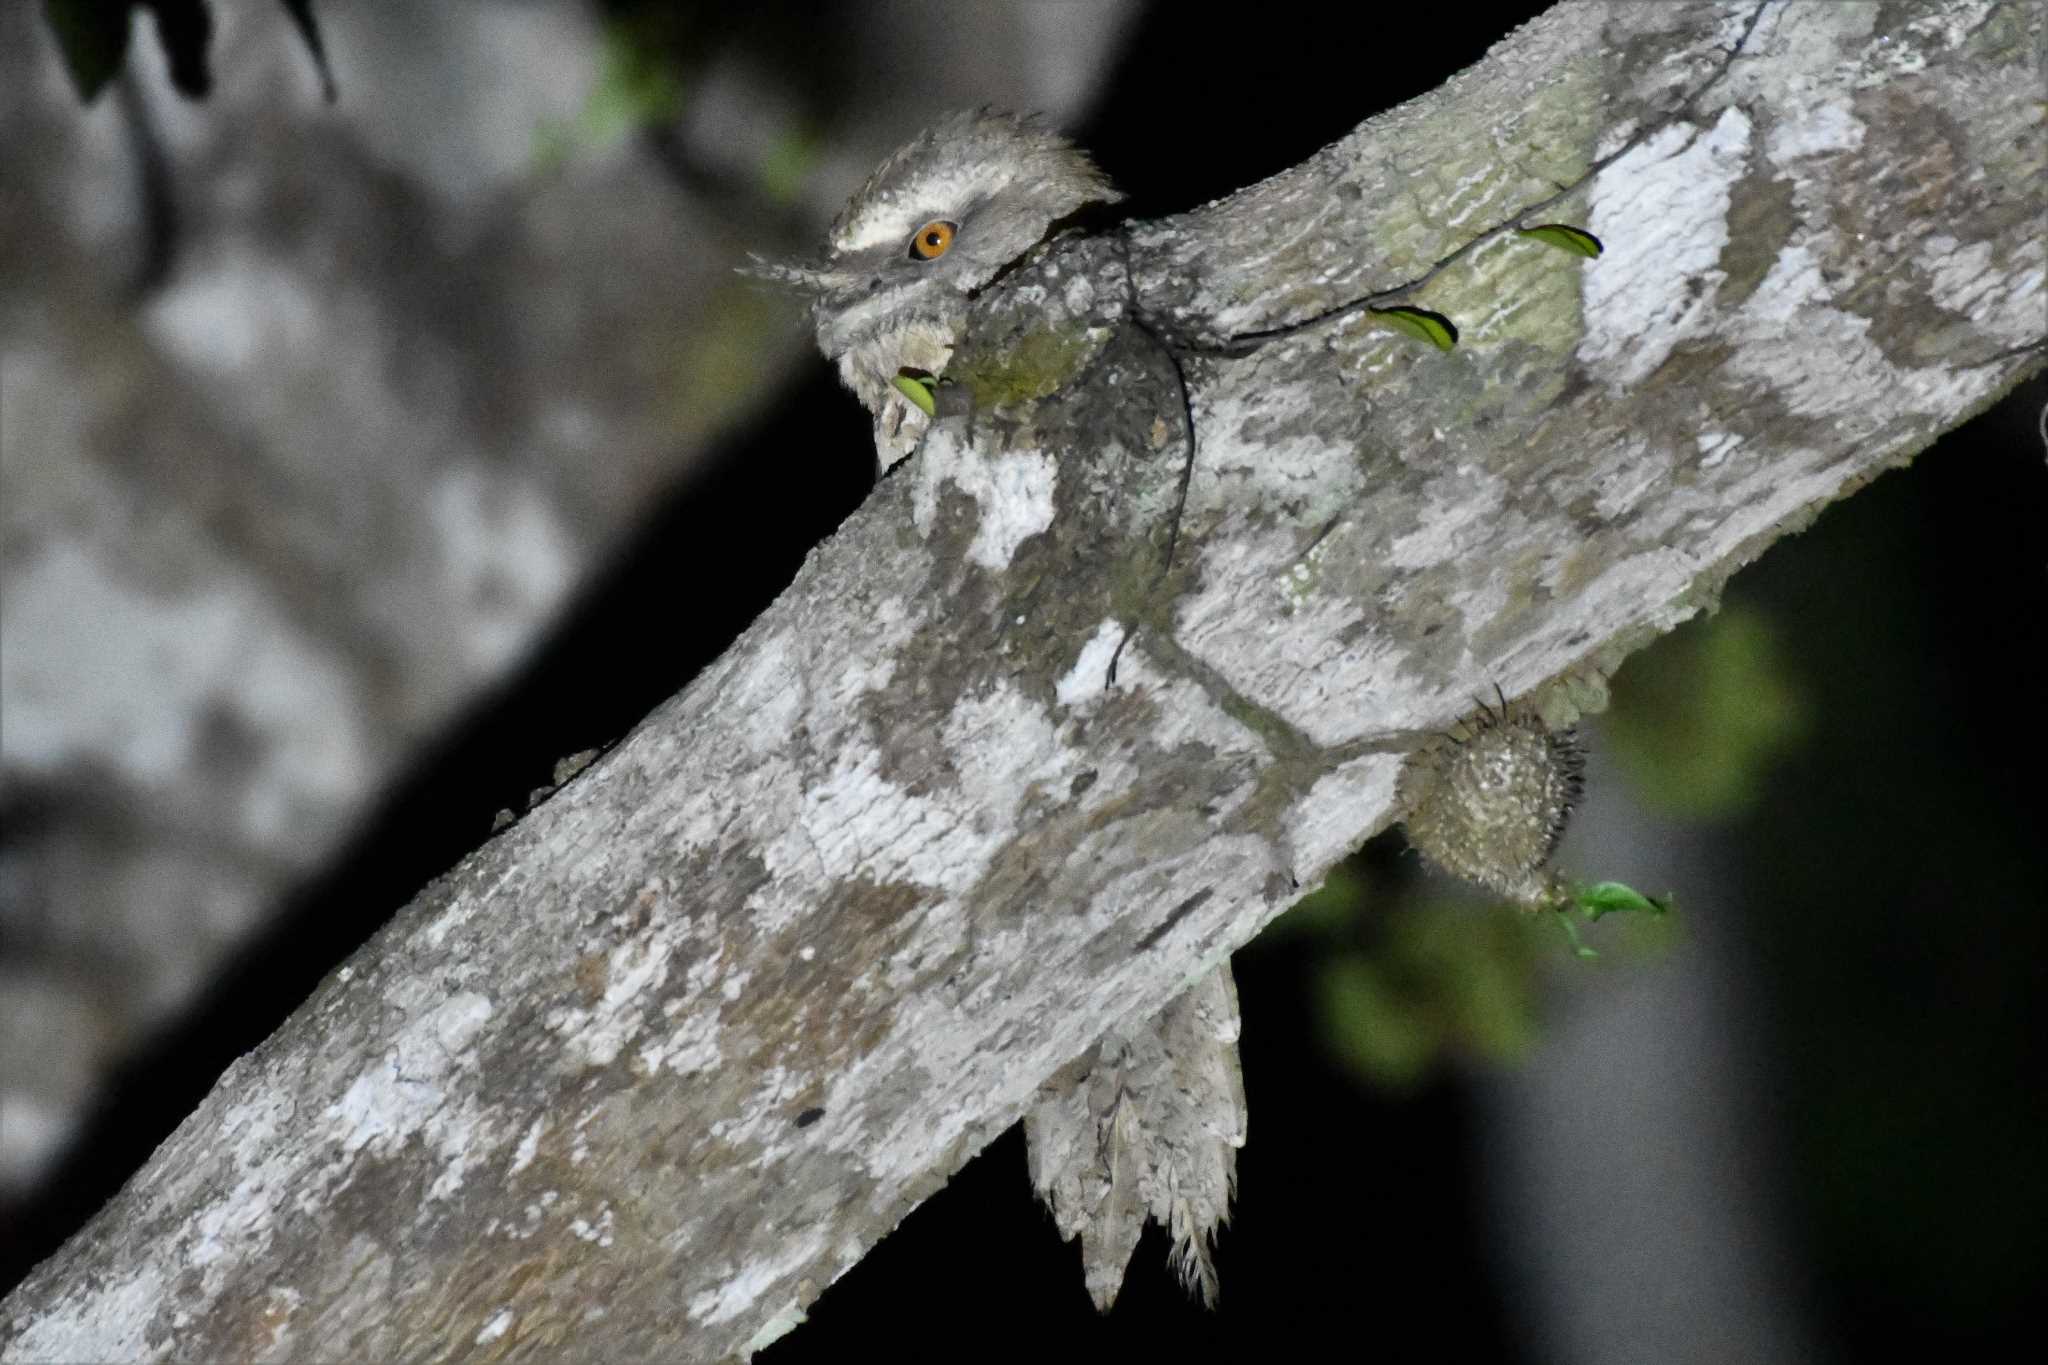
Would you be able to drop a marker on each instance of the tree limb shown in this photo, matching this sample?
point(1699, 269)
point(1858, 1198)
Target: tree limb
point(649, 1070)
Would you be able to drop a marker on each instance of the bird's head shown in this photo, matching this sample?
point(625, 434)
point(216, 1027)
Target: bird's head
point(938, 220)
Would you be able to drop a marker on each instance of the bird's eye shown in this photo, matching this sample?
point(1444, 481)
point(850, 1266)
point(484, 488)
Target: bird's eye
point(930, 241)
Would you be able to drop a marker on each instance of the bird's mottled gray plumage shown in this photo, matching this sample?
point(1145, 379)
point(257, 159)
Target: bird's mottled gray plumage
point(1003, 181)
point(1148, 1122)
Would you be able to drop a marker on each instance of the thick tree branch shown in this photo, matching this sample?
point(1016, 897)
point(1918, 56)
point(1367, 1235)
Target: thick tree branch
point(649, 1070)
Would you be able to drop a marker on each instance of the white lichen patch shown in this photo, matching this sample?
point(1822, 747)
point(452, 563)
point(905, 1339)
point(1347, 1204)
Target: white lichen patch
point(1715, 447)
point(1821, 361)
point(1818, 130)
point(1325, 822)
point(1265, 452)
point(1004, 742)
point(774, 688)
point(406, 1093)
point(1791, 71)
point(1300, 579)
point(101, 1321)
point(780, 1324)
point(1661, 210)
point(529, 1143)
point(599, 1232)
point(1086, 681)
point(857, 822)
point(1460, 506)
point(241, 1222)
point(634, 969)
point(500, 1323)
point(890, 624)
point(1013, 490)
point(2004, 301)
point(741, 1286)
point(1322, 667)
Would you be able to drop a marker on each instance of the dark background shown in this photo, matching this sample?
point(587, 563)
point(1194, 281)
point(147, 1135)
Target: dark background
point(1878, 884)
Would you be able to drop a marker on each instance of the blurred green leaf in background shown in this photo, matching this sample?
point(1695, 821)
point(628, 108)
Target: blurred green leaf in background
point(1698, 718)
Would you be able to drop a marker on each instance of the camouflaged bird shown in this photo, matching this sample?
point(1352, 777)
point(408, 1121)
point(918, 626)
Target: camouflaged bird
point(1149, 1120)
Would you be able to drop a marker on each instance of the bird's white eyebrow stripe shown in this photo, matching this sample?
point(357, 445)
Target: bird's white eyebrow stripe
point(894, 218)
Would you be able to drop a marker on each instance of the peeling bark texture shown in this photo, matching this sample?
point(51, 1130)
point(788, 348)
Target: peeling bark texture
point(651, 1068)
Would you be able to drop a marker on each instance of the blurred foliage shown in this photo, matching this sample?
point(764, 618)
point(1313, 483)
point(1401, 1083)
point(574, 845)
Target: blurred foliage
point(1407, 985)
point(1444, 979)
point(652, 56)
point(92, 35)
point(1699, 718)
point(638, 86)
point(781, 173)
point(712, 373)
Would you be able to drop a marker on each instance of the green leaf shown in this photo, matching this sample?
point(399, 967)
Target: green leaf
point(1607, 898)
point(918, 392)
point(1571, 933)
point(1564, 237)
point(1434, 328)
point(93, 38)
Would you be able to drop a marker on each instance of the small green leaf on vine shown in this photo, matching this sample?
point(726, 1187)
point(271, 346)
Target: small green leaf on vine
point(1605, 898)
point(1600, 898)
point(1564, 237)
point(1434, 328)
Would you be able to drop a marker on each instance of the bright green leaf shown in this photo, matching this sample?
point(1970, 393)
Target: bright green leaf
point(1606, 898)
point(1571, 933)
point(1434, 328)
point(918, 392)
point(1564, 237)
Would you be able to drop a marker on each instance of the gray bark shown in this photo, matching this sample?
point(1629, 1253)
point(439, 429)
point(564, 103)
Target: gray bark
point(649, 1070)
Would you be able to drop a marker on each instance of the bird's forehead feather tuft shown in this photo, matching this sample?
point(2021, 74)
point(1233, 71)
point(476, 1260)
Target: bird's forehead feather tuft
point(964, 156)
point(892, 211)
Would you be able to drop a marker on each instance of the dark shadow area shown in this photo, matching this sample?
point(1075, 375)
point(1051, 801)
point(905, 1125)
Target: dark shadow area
point(1895, 894)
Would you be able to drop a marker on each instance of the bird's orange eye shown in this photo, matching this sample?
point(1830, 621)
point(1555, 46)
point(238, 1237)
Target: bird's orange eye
point(931, 240)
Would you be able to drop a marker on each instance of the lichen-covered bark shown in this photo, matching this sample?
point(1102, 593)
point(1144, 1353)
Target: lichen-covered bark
point(651, 1068)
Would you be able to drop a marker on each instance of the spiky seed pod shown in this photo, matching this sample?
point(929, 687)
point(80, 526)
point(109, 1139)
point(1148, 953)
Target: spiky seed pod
point(1490, 804)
